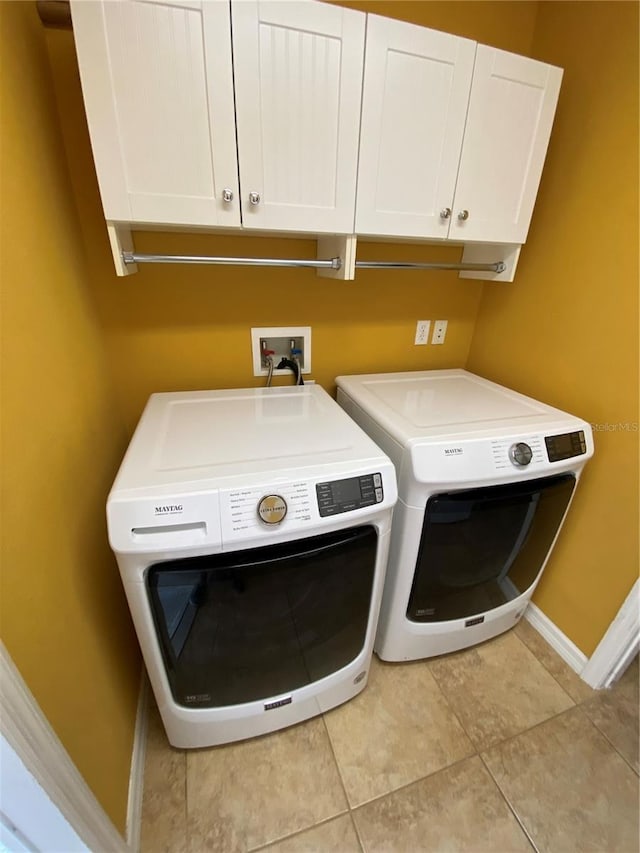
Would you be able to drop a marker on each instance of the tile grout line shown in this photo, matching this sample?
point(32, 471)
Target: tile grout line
point(578, 703)
point(450, 707)
point(610, 742)
point(420, 778)
point(347, 811)
point(547, 670)
point(415, 781)
point(294, 834)
point(576, 708)
point(529, 729)
point(357, 831)
point(186, 804)
point(479, 750)
point(509, 805)
point(582, 712)
point(342, 782)
point(337, 763)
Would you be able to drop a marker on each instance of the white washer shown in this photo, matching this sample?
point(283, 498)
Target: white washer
point(485, 478)
point(251, 528)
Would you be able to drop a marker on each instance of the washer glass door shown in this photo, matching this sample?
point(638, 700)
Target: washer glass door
point(483, 547)
point(249, 625)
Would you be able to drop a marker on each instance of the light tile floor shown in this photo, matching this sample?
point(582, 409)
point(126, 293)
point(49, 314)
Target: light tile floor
point(497, 748)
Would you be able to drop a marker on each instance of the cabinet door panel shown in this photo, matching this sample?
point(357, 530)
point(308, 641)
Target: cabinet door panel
point(415, 94)
point(298, 76)
point(158, 88)
point(511, 110)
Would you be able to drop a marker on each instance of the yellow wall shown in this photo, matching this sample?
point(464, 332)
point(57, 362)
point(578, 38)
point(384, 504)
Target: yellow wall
point(566, 331)
point(499, 23)
point(177, 327)
point(63, 615)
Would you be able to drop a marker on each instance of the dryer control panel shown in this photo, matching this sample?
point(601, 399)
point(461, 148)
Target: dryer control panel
point(338, 496)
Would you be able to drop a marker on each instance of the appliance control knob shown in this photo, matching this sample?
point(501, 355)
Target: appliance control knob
point(520, 454)
point(272, 509)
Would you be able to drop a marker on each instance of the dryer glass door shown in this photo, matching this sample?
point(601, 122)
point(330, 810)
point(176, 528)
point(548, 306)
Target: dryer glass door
point(483, 547)
point(254, 624)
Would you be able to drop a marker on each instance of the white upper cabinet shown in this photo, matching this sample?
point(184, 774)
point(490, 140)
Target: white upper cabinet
point(450, 149)
point(415, 96)
point(294, 115)
point(158, 84)
point(511, 109)
point(298, 84)
point(158, 88)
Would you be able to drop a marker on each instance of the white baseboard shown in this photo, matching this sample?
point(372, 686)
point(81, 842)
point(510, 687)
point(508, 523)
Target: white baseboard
point(558, 641)
point(618, 646)
point(136, 776)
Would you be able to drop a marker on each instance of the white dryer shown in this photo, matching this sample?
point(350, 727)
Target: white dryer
point(485, 479)
point(251, 528)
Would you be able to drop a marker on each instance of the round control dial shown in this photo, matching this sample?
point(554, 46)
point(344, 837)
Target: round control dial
point(272, 509)
point(520, 454)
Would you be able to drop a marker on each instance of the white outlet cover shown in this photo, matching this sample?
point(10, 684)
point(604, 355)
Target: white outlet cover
point(439, 331)
point(422, 332)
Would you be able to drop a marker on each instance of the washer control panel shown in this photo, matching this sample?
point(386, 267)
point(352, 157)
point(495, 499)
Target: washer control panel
point(336, 496)
point(251, 511)
point(565, 446)
point(508, 454)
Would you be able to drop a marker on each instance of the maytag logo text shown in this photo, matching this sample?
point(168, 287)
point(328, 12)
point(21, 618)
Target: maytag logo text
point(168, 510)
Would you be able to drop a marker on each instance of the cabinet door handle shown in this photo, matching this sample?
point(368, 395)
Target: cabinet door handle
point(227, 195)
point(445, 213)
point(254, 198)
point(464, 214)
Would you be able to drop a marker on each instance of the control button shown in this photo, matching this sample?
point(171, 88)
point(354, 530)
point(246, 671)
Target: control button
point(377, 480)
point(520, 454)
point(378, 495)
point(272, 509)
point(328, 510)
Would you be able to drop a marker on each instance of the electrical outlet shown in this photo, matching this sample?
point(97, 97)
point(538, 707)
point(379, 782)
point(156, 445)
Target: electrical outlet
point(422, 332)
point(439, 332)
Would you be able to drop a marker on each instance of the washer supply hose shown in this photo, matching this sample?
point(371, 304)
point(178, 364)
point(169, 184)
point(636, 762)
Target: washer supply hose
point(294, 367)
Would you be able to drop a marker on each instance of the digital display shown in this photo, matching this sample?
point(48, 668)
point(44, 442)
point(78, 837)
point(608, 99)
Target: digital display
point(565, 446)
point(562, 444)
point(349, 494)
point(346, 491)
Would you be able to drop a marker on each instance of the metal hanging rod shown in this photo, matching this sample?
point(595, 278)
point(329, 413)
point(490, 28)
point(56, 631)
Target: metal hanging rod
point(135, 258)
point(499, 266)
point(330, 263)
